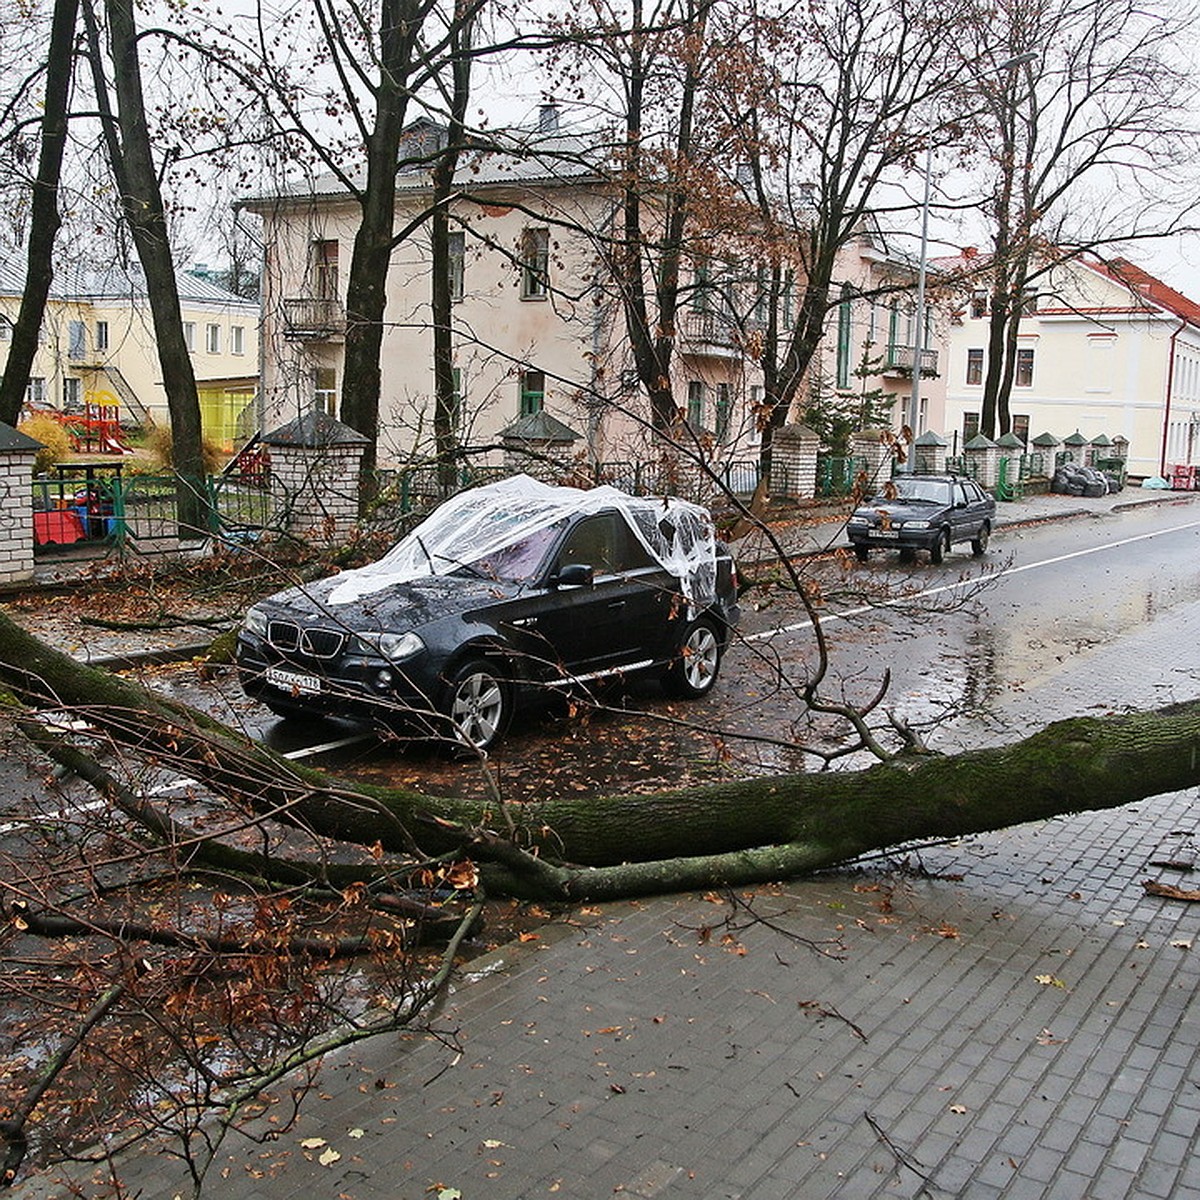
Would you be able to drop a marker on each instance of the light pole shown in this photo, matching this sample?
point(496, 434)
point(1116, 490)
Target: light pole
point(919, 315)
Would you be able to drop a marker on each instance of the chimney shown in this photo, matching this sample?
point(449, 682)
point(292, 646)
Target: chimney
point(548, 118)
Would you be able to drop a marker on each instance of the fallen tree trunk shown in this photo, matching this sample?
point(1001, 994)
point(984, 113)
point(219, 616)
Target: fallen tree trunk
point(733, 832)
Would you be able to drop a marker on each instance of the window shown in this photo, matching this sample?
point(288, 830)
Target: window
point(606, 544)
point(325, 269)
point(76, 340)
point(189, 334)
point(922, 416)
point(533, 392)
point(695, 404)
point(843, 342)
point(35, 391)
point(237, 339)
point(72, 395)
point(6, 329)
point(325, 389)
point(457, 246)
point(535, 264)
point(212, 339)
point(1029, 301)
point(974, 366)
point(723, 413)
point(979, 304)
point(970, 426)
point(785, 302)
point(757, 415)
point(101, 335)
point(1024, 373)
point(1020, 426)
point(701, 289)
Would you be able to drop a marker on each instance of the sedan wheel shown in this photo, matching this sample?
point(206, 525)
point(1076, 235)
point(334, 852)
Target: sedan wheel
point(938, 550)
point(979, 544)
point(478, 705)
point(862, 552)
point(694, 672)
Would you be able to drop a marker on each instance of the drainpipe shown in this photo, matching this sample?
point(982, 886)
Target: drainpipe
point(1162, 460)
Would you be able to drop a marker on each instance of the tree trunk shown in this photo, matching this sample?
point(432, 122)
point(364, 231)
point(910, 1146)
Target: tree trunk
point(44, 219)
point(447, 397)
point(366, 288)
point(127, 137)
point(734, 832)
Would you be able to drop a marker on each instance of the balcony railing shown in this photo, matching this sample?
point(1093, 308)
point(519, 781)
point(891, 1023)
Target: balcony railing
point(709, 333)
point(309, 318)
point(899, 361)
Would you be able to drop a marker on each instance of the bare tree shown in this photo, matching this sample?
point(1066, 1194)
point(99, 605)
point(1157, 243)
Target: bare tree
point(44, 218)
point(1085, 147)
point(127, 139)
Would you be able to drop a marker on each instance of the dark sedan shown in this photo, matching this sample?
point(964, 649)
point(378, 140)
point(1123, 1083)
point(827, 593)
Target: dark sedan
point(923, 512)
point(504, 592)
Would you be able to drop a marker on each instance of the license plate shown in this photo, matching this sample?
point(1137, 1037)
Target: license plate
point(294, 681)
point(885, 533)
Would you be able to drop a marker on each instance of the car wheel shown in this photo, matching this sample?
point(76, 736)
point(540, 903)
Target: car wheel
point(861, 552)
point(695, 668)
point(478, 705)
point(907, 554)
point(979, 544)
point(938, 550)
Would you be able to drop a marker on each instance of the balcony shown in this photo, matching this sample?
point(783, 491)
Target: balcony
point(310, 319)
point(709, 334)
point(899, 361)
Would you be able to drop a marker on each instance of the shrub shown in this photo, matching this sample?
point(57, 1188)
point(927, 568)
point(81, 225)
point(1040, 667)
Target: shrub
point(158, 442)
point(56, 441)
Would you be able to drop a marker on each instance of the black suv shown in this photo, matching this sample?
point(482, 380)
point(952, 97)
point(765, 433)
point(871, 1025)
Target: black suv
point(923, 512)
point(503, 592)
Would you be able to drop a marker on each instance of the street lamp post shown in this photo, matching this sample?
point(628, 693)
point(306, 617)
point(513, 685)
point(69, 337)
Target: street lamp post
point(919, 315)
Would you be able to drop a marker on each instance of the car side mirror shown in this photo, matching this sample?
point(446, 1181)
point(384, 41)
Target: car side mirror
point(573, 575)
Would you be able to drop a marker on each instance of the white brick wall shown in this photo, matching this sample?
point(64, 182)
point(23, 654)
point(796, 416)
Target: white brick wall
point(16, 516)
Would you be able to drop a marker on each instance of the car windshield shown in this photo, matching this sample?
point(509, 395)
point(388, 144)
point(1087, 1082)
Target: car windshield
point(920, 491)
point(519, 562)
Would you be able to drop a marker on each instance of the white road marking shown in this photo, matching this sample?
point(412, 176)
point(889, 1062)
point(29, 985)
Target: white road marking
point(767, 634)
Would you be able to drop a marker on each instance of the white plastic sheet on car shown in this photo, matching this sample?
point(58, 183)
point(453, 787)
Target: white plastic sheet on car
point(485, 520)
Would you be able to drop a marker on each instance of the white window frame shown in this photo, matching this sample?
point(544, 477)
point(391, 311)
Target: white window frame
point(212, 338)
point(237, 339)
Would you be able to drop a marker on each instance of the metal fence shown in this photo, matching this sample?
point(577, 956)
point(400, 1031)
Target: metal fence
point(87, 506)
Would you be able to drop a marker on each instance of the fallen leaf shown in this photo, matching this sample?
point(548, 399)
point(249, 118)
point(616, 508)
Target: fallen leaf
point(355, 1133)
point(312, 1143)
point(958, 1108)
point(1050, 981)
point(328, 1157)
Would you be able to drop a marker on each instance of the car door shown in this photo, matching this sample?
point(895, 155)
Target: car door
point(970, 508)
point(620, 619)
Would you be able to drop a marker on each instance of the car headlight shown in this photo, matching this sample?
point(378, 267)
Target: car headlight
point(255, 622)
point(915, 525)
point(856, 520)
point(395, 647)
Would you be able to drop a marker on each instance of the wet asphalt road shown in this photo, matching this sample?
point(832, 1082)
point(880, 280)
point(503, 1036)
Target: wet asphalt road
point(965, 645)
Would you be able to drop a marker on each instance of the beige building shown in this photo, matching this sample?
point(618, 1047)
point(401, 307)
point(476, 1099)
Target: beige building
point(866, 360)
point(1103, 349)
point(535, 324)
point(97, 349)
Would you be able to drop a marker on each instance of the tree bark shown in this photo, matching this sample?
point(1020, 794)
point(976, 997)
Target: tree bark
point(733, 832)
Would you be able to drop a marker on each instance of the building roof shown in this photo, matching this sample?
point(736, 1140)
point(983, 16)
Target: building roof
point(116, 282)
point(539, 427)
point(1151, 288)
point(543, 154)
point(312, 430)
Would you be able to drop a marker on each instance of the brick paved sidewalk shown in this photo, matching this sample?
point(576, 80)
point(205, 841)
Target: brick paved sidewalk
point(1018, 1025)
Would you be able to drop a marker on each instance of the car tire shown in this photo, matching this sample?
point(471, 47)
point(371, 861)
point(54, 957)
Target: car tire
point(907, 554)
point(694, 670)
point(938, 550)
point(979, 544)
point(478, 705)
point(861, 552)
